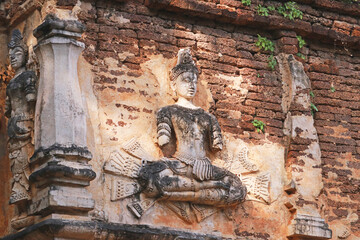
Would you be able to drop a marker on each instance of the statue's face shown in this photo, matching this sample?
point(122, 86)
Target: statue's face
point(17, 57)
point(185, 85)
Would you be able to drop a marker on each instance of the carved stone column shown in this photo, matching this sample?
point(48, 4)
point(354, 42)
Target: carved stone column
point(60, 169)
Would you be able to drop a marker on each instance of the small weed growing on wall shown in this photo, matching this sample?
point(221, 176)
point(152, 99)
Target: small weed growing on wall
point(332, 88)
point(265, 44)
point(246, 2)
point(300, 55)
point(259, 125)
point(313, 109)
point(301, 41)
point(271, 8)
point(272, 62)
point(290, 10)
point(262, 11)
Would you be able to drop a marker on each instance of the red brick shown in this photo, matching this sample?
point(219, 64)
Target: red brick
point(184, 34)
point(343, 25)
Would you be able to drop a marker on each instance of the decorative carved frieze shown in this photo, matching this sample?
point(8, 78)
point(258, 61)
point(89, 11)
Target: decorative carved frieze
point(258, 187)
point(257, 183)
point(240, 164)
point(186, 181)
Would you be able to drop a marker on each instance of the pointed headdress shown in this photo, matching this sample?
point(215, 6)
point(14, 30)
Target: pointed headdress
point(185, 63)
point(17, 41)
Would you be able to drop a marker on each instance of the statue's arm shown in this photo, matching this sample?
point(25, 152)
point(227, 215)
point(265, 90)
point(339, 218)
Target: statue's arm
point(7, 107)
point(216, 136)
point(164, 126)
point(30, 88)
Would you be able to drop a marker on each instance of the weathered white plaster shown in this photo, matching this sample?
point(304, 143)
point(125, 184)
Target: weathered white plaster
point(60, 116)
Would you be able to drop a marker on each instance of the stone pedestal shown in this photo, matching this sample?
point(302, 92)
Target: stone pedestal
point(60, 169)
point(308, 227)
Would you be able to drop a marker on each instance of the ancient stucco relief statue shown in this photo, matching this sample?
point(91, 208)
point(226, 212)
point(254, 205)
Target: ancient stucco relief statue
point(185, 180)
point(19, 109)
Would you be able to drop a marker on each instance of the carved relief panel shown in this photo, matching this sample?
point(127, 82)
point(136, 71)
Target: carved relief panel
point(19, 109)
point(185, 180)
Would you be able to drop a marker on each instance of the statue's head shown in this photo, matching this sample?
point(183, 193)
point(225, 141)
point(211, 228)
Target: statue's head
point(17, 50)
point(184, 75)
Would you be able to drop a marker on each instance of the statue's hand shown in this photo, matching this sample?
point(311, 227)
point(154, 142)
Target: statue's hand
point(203, 169)
point(163, 139)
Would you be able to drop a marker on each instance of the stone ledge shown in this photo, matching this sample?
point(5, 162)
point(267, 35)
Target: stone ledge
point(67, 229)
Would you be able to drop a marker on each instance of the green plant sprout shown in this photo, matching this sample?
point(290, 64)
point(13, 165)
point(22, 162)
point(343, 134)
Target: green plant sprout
point(332, 89)
point(262, 11)
point(301, 41)
point(300, 55)
point(246, 2)
point(259, 125)
point(290, 10)
point(271, 8)
point(312, 94)
point(272, 62)
point(265, 44)
point(313, 109)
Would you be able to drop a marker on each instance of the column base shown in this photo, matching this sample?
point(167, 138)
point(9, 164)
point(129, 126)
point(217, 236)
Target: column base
point(61, 199)
point(60, 175)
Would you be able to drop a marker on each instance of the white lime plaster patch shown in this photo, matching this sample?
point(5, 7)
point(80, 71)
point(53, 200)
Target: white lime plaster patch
point(314, 150)
point(306, 124)
point(235, 85)
point(303, 99)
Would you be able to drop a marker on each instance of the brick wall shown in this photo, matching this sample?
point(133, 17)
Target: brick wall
point(222, 36)
point(222, 48)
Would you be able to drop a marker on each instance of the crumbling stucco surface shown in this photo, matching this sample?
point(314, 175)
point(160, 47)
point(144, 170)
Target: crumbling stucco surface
point(312, 160)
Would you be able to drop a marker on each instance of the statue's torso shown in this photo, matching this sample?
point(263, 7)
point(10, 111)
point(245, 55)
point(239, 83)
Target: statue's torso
point(192, 129)
point(17, 90)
